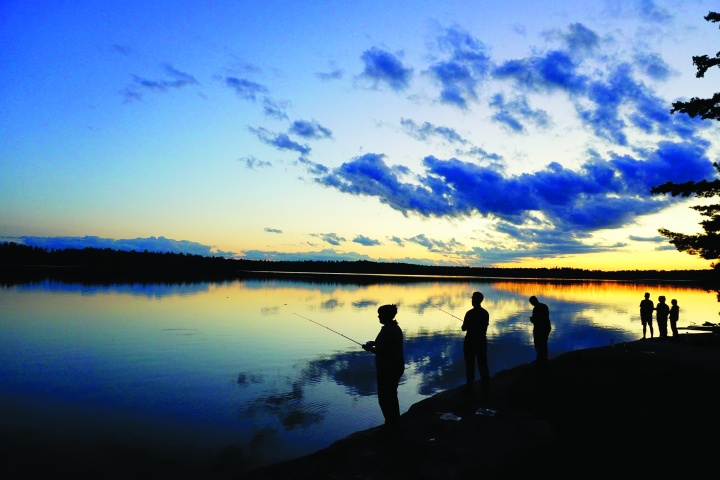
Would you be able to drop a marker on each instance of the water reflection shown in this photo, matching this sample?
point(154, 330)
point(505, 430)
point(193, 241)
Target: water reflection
point(232, 367)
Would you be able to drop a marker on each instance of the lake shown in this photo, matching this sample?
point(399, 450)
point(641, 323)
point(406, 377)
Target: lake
point(210, 379)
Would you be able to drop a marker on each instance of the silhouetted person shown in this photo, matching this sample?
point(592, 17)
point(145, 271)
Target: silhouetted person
point(646, 313)
point(475, 326)
point(674, 317)
point(661, 316)
point(541, 329)
point(389, 363)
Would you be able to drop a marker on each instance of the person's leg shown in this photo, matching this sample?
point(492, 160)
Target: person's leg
point(384, 394)
point(542, 346)
point(469, 355)
point(387, 384)
point(484, 371)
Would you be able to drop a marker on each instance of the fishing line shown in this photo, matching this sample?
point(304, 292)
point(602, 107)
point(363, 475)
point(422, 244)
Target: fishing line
point(316, 323)
point(428, 303)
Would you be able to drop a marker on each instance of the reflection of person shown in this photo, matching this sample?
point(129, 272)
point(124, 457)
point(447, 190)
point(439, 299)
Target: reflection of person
point(389, 363)
point(661, 316)
point(646, 311)
point(541, 329)
point(475, 325)
point(674, 317)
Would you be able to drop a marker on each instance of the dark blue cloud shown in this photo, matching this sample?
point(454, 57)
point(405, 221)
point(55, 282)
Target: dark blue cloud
point(368, 242)
point(483, 155)
point(246, 89)
point(382, 67)
point(254, 163)
point(512, 114)
point(652, 12)
point(554, 71)
point(434, 245)
point(652, 65)
point(179, 80)
point(655, 239)
point(151, 244)
point(274, 109)
point(311, 130)
point(466, 67)
point(369, 175)
point(579, 38)
point(335, 74)
point(273, 230)
point(313, 167)
point(331, 238)
point(398, 241)
point(427, 130)
point(323, 255)
point(609, 103)
point(601, 194)
point(281, 141)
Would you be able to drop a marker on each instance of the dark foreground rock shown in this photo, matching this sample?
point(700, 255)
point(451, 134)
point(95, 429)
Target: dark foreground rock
point(648, 407)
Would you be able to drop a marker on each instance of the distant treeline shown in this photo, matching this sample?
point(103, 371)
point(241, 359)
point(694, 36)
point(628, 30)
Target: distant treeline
point(21, 260)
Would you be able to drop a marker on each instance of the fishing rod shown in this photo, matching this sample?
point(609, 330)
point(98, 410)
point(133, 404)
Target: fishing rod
point(316, 323)
point(428, 303)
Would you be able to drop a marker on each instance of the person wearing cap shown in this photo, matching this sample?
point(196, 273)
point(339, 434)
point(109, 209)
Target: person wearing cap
point(475, 325)
point(389, 363)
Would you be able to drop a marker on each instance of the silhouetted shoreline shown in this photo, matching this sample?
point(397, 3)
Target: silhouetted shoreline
point(23, 263)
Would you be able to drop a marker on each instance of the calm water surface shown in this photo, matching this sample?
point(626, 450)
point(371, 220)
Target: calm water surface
point(237, 375)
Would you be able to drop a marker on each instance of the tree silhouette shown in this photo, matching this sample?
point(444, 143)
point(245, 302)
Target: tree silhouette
point(706, 245)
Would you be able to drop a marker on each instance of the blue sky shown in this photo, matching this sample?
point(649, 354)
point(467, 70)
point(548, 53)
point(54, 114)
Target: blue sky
point(517, 133)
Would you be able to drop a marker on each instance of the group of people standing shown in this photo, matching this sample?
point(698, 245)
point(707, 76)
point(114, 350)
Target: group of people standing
point(663, 312)
point(390, 361)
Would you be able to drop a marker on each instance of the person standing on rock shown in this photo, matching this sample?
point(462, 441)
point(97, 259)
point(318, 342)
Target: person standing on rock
point(541, 329)
point(674, 317)
point(475, 348)
point(646, 313)
point(389, 363)
point(662, 310)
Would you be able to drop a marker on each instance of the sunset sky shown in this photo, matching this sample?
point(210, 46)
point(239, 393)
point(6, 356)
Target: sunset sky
point(482, 133)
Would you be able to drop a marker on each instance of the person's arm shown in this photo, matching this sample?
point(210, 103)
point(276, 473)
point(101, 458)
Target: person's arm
point(465, 322)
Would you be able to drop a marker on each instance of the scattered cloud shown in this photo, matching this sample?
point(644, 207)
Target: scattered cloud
point(331, 238)
point(246, 89)
point(427, 131)
point(151, 244)
point(382, 67)
point(177, 80)
point(365, 241)
point(466, 65)
point(603, 193)
point(309, 129)
point(280, 141)
point(655, 239)
point(254, 163)
point(514, 114)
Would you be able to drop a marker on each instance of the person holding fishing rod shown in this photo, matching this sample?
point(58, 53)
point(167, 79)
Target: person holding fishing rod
point(389, 364)
point(475, 346)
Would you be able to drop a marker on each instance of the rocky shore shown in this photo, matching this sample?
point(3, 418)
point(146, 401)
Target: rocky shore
point(648, 407)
